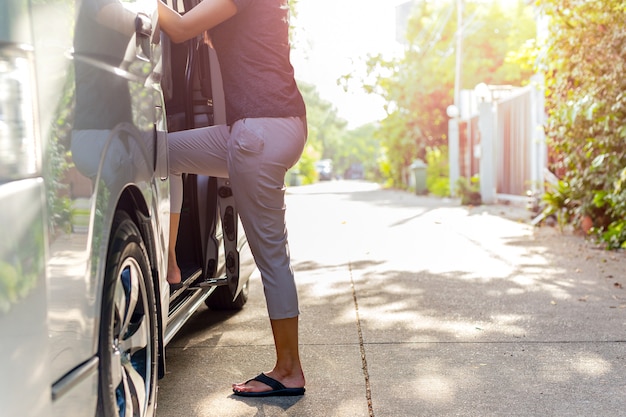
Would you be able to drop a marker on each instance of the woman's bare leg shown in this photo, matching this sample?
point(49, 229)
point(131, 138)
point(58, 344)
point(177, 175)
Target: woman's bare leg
point(173, 272)
point(199, 151)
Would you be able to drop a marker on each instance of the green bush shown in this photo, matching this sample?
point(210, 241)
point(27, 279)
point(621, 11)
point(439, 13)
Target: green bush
point(469, 191)
point(304, 170)
point(586, 104)
point(437, 172)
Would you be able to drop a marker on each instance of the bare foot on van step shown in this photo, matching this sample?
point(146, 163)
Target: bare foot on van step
point(173, 275)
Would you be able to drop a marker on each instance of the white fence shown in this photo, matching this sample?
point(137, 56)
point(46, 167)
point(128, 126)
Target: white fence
point(507, 151)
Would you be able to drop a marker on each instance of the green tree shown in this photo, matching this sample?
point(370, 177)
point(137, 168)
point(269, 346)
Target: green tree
point(359, 147)
point(419, 85)
point(587, 111)
point(326, 129)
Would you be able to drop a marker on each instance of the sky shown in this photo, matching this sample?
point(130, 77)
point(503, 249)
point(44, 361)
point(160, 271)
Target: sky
point(332, 38)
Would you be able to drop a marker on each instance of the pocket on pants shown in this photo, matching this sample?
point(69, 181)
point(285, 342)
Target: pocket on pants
point(249, 141)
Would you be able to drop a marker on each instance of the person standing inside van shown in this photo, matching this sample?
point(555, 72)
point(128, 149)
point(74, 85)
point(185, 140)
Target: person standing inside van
point(264, 136)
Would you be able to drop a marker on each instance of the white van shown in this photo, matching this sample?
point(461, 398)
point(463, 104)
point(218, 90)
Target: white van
point(86, 98)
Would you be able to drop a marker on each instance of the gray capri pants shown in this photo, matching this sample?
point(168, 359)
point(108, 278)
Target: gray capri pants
point(255, 154)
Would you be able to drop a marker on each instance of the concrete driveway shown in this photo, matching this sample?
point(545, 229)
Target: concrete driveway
point(416, 306)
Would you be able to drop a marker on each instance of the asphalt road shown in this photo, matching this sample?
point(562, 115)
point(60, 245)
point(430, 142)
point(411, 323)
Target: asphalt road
point(416, 306)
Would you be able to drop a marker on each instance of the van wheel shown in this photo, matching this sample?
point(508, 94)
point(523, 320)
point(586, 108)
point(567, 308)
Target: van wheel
point(128, 329)
point(221, 299)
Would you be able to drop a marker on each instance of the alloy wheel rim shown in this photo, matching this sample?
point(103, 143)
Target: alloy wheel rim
point(131, 359)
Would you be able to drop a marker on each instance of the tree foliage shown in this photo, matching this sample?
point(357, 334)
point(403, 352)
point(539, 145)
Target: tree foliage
point(584, 60)
point(419, 85)
point(325, 130)
point(359, 147)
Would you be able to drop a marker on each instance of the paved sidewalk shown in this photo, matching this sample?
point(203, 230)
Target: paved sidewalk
point(415, 306)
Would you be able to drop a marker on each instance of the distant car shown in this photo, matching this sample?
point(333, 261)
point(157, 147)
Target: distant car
point(324, 168)
point(355, 172)
point(87, 95)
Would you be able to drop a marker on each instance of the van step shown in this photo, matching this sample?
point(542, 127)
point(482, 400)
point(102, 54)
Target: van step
point(195, 282)
point(190, 274)
point(210, 282)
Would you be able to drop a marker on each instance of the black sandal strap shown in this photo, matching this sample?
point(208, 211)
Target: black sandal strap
point(269, 381)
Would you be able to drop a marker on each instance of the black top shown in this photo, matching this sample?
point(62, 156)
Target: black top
point(253, 51)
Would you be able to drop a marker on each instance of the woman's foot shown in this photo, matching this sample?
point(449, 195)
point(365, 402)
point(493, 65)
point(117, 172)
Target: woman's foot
point(173, 275)
point(287, 377)
point(293, 383)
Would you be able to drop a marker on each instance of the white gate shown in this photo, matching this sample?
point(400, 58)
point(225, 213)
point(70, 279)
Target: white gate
point(513, 149)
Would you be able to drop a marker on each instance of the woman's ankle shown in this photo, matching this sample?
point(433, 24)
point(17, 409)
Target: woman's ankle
point(173, 274)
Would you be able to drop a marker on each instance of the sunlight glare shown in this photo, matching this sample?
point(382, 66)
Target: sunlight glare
point(332, 39)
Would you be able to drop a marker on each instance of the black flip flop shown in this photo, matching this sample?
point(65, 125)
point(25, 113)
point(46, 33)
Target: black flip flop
point(278, 389)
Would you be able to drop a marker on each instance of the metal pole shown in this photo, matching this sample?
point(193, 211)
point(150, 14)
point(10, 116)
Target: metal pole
point(487, 120)
point(453, 154)
point(453, 124)
point(459, 53)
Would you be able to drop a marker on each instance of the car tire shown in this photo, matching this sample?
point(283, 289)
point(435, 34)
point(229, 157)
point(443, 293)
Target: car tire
point(221, 299)
point(128, 328)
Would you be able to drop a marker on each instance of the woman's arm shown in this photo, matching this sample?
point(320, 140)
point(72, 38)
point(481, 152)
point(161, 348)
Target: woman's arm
point(206, 15)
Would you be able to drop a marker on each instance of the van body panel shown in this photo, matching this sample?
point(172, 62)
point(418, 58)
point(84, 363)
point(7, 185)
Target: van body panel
point(83, 136)
point(15, 22)
point(98, 122)
point(23, 299)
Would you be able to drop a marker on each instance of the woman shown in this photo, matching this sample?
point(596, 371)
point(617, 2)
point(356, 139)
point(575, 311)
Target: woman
point(264, 136)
